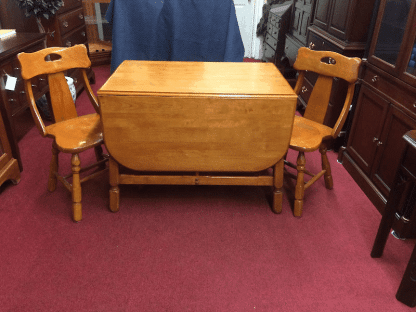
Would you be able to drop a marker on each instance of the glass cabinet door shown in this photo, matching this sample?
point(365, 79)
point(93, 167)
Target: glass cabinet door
point(391, 31)
point(394, 39)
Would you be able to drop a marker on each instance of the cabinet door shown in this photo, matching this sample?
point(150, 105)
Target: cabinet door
point(337, 24)
point(366, 129)
point(390, 148)
point(301, 19)
point(322, 11)
point(389, 45)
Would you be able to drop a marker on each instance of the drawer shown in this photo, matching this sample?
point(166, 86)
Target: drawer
point(274, 32)
point(271, 41)
point(320, 44)
point(78, 36)
point(69, 5)
point(305, 90)
point(273, 18)
point(291, 50)
point(396, 93)
point(268, 52)
point(70, 21)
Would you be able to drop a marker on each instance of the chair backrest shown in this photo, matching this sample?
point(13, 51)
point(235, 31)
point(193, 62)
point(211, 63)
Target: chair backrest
point(53, 62)
point(328, 65)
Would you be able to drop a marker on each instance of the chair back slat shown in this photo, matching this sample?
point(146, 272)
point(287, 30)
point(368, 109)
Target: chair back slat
point(328, 63)
point(316, 110)
point(53, 60)
point(63, 107)
point(329, 66)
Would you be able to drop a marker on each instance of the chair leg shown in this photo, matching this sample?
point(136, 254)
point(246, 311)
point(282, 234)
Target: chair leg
point(300, 185)
point(53, 168)
point(114, 188)
point(278, 186)
point(325, 166)
point(99, 155)
point(76, 188)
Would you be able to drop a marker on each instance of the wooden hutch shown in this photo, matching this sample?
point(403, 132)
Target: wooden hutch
point(386, 106)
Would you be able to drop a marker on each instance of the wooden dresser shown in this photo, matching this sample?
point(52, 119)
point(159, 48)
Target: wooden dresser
point(9, 167)
point(277, 27)
point(386, 106)
point(12, 103)
point(67, 28)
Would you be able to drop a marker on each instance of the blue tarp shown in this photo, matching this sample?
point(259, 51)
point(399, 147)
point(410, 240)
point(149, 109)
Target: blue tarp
point(174, 30)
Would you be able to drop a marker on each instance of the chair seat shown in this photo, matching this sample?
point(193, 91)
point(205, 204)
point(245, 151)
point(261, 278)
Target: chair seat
point(77, 134)
point(307, 135)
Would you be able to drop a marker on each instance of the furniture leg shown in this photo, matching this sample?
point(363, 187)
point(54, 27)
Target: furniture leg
point(278, 186)
point(53, 169)
point(114, 188)
point(386, 223)
point(326, 166)
point(300, 185)
point(76, 188)
point(407, 289)
point(99, 155)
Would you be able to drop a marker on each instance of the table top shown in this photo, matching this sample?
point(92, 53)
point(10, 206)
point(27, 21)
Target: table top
point(197, 78)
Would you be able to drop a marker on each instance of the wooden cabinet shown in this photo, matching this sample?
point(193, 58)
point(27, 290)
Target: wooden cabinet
point(301, 19)
point(277, 27)
point(9, 167)
point(66, 29)
point(14, 102)
point(386, 106)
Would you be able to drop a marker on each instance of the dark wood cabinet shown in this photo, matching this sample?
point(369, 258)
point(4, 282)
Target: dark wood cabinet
point(14, 102)
point(277, 27)
point(9, 167)
point(386, 106)
point(301, 19)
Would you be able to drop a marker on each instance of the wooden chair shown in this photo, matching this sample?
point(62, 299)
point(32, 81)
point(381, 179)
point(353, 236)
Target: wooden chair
point(72, 134)
point(309, 133)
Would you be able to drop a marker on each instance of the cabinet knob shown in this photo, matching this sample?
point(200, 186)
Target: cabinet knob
point(304, 89)
point(375, 78)
point(83, 34)
point(311, 45)
point(68, 43)
point(81, 16)
point(65, 24)
point(375, 139)
point(414, 105)
point(379, 143)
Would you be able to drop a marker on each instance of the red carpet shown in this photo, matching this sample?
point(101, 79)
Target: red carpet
point(190, 248)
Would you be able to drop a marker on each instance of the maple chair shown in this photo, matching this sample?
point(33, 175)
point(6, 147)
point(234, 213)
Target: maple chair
point(309, 134)
point(72, 134)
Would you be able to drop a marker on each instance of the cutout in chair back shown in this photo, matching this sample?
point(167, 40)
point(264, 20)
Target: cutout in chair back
point(52, 57)
point(328, 60)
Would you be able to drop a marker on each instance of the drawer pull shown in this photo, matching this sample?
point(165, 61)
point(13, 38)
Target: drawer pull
point(375, 78)
point(311, 45)
point(65, 24)
point(375, 139)
point(12, 100)
point(34, 86)
point(81, 16)
point(42, 79)
point(414, 105)
point(16, 68)
point(68, 43)
point(304, 89)
point(22, 92)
